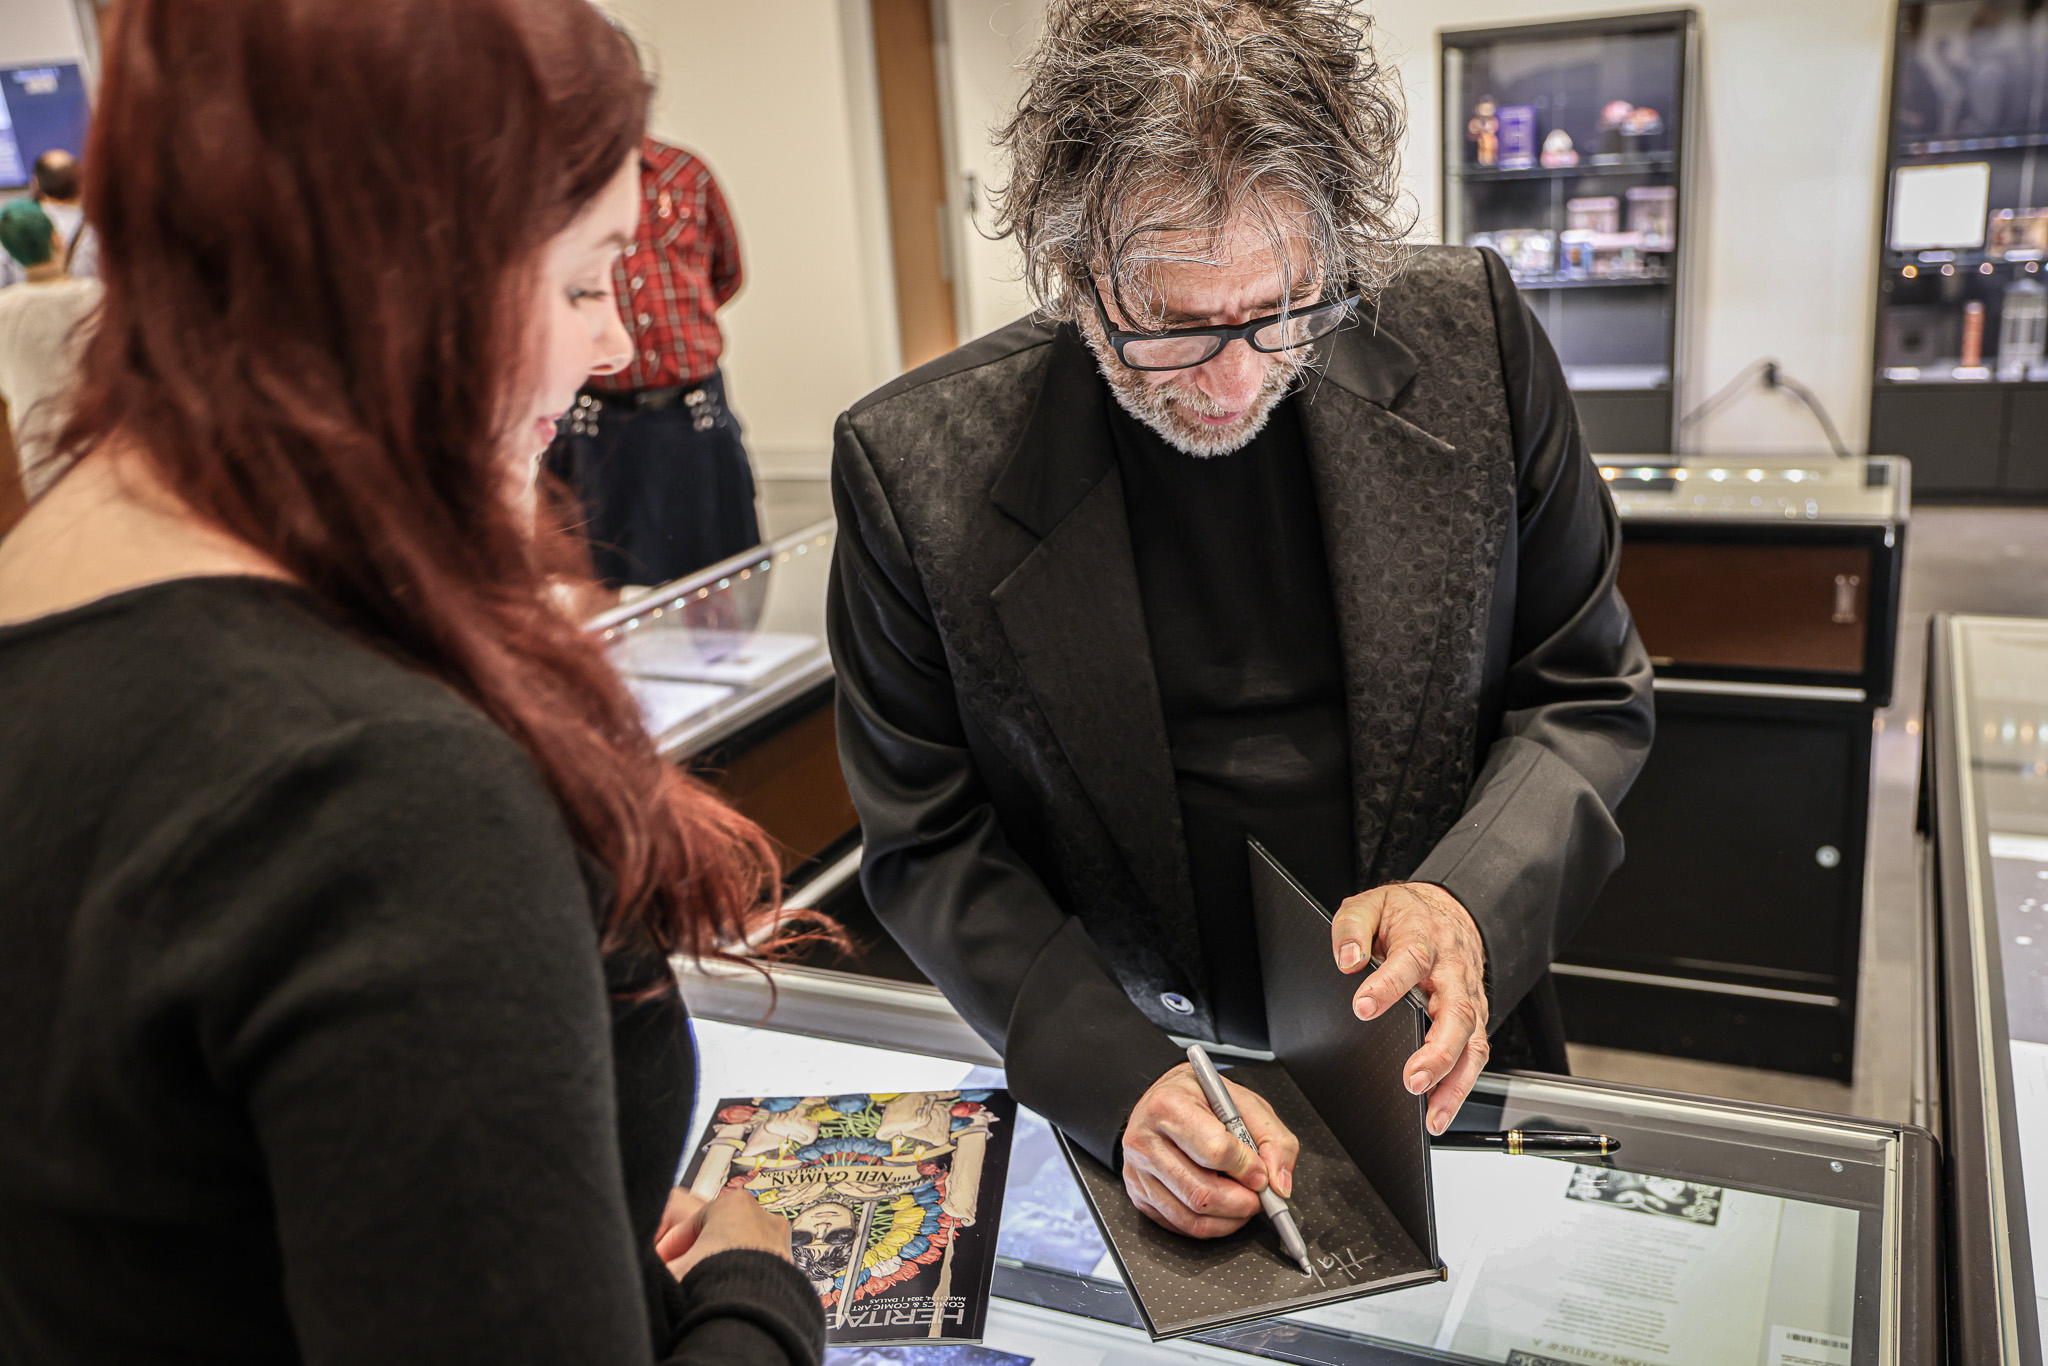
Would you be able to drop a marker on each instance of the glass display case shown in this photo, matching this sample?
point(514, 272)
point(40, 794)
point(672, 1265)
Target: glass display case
point(715, 651)
point(1566, 150)
point(732, 673)
point(1719, 1234)
point(1985, 810)
point(1961, 379)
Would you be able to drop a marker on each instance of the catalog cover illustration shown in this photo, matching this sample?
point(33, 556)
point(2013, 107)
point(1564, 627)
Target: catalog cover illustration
point(893, 1200)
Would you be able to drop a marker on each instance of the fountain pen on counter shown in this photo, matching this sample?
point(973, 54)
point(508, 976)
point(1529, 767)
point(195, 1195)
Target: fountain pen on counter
point(1218, 1096)
point(1534, 1142)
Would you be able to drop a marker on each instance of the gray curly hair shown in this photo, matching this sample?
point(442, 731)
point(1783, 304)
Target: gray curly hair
point(1143, 117)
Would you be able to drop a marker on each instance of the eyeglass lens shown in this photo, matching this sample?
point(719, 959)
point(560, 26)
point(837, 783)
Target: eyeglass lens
point(1177, 353)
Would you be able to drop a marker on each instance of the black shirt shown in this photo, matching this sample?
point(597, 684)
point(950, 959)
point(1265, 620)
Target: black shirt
point(306, 1052)
point(1236, 590)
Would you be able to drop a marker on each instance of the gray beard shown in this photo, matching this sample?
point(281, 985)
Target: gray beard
point(1169, 409)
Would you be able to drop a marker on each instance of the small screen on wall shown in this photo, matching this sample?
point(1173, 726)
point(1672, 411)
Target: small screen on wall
point(41, 107)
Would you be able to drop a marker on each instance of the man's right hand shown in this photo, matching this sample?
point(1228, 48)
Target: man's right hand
point(1187, 1172)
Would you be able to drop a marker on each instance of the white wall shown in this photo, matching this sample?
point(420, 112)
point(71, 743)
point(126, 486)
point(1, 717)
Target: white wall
point(770, 96)
point(1790, 157)
point(39, 31)
point(981, 43)
point(779, 99)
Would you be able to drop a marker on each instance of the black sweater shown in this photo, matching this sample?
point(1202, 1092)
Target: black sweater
point(306, 1051)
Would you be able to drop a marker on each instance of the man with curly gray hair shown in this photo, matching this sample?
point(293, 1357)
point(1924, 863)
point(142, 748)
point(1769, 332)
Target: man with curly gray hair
point(1265, 526)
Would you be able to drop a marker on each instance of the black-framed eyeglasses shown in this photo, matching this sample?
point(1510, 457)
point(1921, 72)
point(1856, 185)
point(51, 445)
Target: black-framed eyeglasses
point(1182, 347)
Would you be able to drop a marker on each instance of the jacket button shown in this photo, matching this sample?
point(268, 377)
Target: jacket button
point(1177, 1003)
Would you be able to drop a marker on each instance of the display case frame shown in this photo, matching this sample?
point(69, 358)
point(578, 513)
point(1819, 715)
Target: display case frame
point(1621, 419)
point(1995, 1310)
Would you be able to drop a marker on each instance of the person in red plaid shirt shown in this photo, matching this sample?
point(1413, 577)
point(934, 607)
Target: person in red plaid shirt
point(652, 451)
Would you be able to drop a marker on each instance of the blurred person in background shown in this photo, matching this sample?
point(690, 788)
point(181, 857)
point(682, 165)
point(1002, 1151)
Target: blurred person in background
point(652, 451)
point(41, 329)
point(57, 187)
point(342, 876)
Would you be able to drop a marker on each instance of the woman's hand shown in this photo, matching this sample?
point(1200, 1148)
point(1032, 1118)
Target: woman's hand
point(692, 1230)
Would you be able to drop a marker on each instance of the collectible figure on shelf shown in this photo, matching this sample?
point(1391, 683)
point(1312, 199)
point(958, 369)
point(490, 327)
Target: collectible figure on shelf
point(1597, 213)
point(1612, 115)
point(1653, 216)
point(1517, 136)
point(2022, 329)
point(1558, 151)
point(1618, 256)
point(1484, 130)
point(2017, 234)
point(1530, 253)
point(1575, 253)
point(1640, 129)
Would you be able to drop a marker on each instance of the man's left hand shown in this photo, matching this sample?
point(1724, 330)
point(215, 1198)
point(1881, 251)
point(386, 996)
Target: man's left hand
point(1427, 940)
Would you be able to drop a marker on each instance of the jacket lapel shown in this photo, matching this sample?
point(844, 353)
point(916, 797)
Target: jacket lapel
point(1076, 624)
point(1388, 564)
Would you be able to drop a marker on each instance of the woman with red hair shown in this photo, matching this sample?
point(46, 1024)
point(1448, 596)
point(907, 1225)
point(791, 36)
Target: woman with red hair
point(335, 1020)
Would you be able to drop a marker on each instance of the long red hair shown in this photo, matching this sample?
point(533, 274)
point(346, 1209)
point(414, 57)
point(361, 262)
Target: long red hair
point(319, 222)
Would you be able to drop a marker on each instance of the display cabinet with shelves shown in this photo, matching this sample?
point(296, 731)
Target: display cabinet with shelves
point(1566, 150)
point(1960, 370)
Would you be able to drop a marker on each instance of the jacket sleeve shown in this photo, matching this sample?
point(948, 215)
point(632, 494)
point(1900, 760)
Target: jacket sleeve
point(939, 870)
point(1538, 839)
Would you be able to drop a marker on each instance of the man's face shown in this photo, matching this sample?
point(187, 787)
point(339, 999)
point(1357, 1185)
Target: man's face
point(1216, 407)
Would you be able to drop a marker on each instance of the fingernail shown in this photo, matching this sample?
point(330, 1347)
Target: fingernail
point(1437, 1122)
point(1418, 1082)
point(1348, 956)
point(1286, 1181)
point(1365, 1006)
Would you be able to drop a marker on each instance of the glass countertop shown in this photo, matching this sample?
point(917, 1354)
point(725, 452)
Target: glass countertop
point(1720, 1233)
point(1872, 489)
point(715, 650)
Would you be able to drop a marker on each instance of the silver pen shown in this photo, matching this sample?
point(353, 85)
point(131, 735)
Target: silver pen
point(1218, 1096)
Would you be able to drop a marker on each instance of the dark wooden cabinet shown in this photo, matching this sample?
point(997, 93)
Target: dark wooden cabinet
point(1769, 606)
point(1954, 435)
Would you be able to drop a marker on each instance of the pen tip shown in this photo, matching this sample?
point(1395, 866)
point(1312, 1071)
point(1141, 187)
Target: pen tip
point(1306, 1269)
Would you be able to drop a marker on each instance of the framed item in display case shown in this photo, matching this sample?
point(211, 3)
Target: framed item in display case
point(1566, 151)
point(1959, 381)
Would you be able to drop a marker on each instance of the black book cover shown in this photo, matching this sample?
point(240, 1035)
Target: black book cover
point(893, 1199)
point(1361, 1186)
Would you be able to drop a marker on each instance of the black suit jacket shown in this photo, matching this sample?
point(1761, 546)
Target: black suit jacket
point(999, 718)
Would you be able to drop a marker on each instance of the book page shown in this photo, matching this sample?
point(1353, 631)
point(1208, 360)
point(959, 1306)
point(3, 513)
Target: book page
point(1182, 1285)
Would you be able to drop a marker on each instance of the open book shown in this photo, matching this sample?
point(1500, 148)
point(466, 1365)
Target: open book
point(893, 1200)
point(1361, 1186)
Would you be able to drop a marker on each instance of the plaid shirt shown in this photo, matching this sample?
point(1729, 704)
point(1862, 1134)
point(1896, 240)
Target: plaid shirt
point(684, 264)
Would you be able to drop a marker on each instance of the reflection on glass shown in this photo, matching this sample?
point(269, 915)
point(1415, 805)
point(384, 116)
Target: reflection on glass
point(709, 650)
